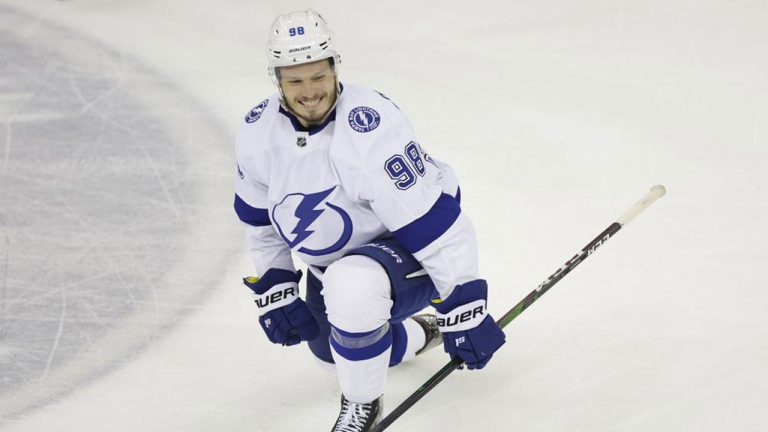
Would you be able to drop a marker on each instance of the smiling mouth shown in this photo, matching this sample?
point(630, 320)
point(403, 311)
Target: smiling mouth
point(311, 104)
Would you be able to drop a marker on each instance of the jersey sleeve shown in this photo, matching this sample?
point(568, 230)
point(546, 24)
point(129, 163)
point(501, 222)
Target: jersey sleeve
point(416, 199)
point(266, 247)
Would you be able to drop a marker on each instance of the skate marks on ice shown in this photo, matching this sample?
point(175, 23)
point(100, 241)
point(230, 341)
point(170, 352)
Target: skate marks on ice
point(107, 231)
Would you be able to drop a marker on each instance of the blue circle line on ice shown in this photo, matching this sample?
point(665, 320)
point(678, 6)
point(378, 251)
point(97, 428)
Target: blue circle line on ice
point(364, 119)
point(125, 196)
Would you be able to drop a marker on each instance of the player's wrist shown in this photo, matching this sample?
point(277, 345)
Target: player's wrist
point(271, 278)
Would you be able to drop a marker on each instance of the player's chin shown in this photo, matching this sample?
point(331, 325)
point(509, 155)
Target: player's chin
point(314, 116)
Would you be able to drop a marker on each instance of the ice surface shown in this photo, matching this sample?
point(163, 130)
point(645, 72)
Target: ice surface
point(557, 117)
point(98, 209)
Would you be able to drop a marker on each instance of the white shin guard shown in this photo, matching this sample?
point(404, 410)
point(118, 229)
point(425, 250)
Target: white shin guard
point(358, 300)
point(362, 381)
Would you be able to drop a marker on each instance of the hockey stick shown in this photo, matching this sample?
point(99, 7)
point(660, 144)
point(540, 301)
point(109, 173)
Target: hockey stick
point(655, 193)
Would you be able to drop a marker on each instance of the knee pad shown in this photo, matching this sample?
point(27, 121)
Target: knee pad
point(358, 294)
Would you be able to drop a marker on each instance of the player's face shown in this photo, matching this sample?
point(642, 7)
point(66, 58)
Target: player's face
point(309, 90)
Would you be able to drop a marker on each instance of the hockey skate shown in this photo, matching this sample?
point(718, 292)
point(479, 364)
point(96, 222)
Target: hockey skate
point(433, 336)
point(357, 417)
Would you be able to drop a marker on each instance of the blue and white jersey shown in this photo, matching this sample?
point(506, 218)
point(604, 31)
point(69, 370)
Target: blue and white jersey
point(360, 176)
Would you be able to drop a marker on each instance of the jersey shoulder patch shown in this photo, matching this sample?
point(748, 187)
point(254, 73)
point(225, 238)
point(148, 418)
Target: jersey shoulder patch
point(363, 119)
point(255, 113)
point(367, 110)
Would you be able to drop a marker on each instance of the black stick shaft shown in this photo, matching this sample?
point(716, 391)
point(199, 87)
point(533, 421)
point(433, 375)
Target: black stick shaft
point(586, 251)
point(555, 277)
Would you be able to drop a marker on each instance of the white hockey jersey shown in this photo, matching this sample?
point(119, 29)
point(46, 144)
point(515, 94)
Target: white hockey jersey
point(359, 177)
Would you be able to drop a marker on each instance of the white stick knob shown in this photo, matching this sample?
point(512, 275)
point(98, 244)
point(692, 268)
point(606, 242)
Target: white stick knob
point(655, 193)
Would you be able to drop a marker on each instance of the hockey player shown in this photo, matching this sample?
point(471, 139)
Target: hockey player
point(333, 173)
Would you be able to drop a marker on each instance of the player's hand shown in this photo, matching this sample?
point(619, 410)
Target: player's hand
point(284, 316)
point(469, 332)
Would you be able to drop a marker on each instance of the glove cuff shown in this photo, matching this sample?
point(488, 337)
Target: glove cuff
point(465, 293)
point(277, 288)
point(276, 297)
point(271, 278)
point(462, 318)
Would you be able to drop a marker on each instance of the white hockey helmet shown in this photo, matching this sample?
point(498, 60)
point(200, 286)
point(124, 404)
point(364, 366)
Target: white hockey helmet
point(299, 37)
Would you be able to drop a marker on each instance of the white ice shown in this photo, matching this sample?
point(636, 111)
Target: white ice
point(556, 115)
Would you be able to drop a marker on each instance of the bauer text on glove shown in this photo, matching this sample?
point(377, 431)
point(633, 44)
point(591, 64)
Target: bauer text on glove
point(469, 332)
point(284, 316)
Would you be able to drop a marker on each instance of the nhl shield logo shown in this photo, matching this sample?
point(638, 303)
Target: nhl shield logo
point(256, 112)
point(364, 119)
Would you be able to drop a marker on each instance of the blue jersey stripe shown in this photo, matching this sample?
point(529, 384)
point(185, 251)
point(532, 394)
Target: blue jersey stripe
point(251, 215)
point(423, 231)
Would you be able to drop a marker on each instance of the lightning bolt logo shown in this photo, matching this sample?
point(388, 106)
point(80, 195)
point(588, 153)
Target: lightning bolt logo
point(362, 119)
point(307, 211)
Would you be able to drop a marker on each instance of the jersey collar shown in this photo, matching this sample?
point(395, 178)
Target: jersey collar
point(298, 127)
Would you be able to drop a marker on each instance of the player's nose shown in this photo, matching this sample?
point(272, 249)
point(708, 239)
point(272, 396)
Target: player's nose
point(310, 90)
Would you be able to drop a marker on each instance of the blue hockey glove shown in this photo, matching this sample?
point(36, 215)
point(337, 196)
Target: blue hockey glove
point(284, 316)
point(469, 332)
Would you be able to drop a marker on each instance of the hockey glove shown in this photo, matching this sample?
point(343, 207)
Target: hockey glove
point(469, 332)
point(284, 316)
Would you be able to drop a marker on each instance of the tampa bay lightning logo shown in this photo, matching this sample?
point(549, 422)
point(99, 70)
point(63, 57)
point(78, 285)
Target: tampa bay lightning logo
point(331, 226)
point(364, 119)
point(256, 112)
